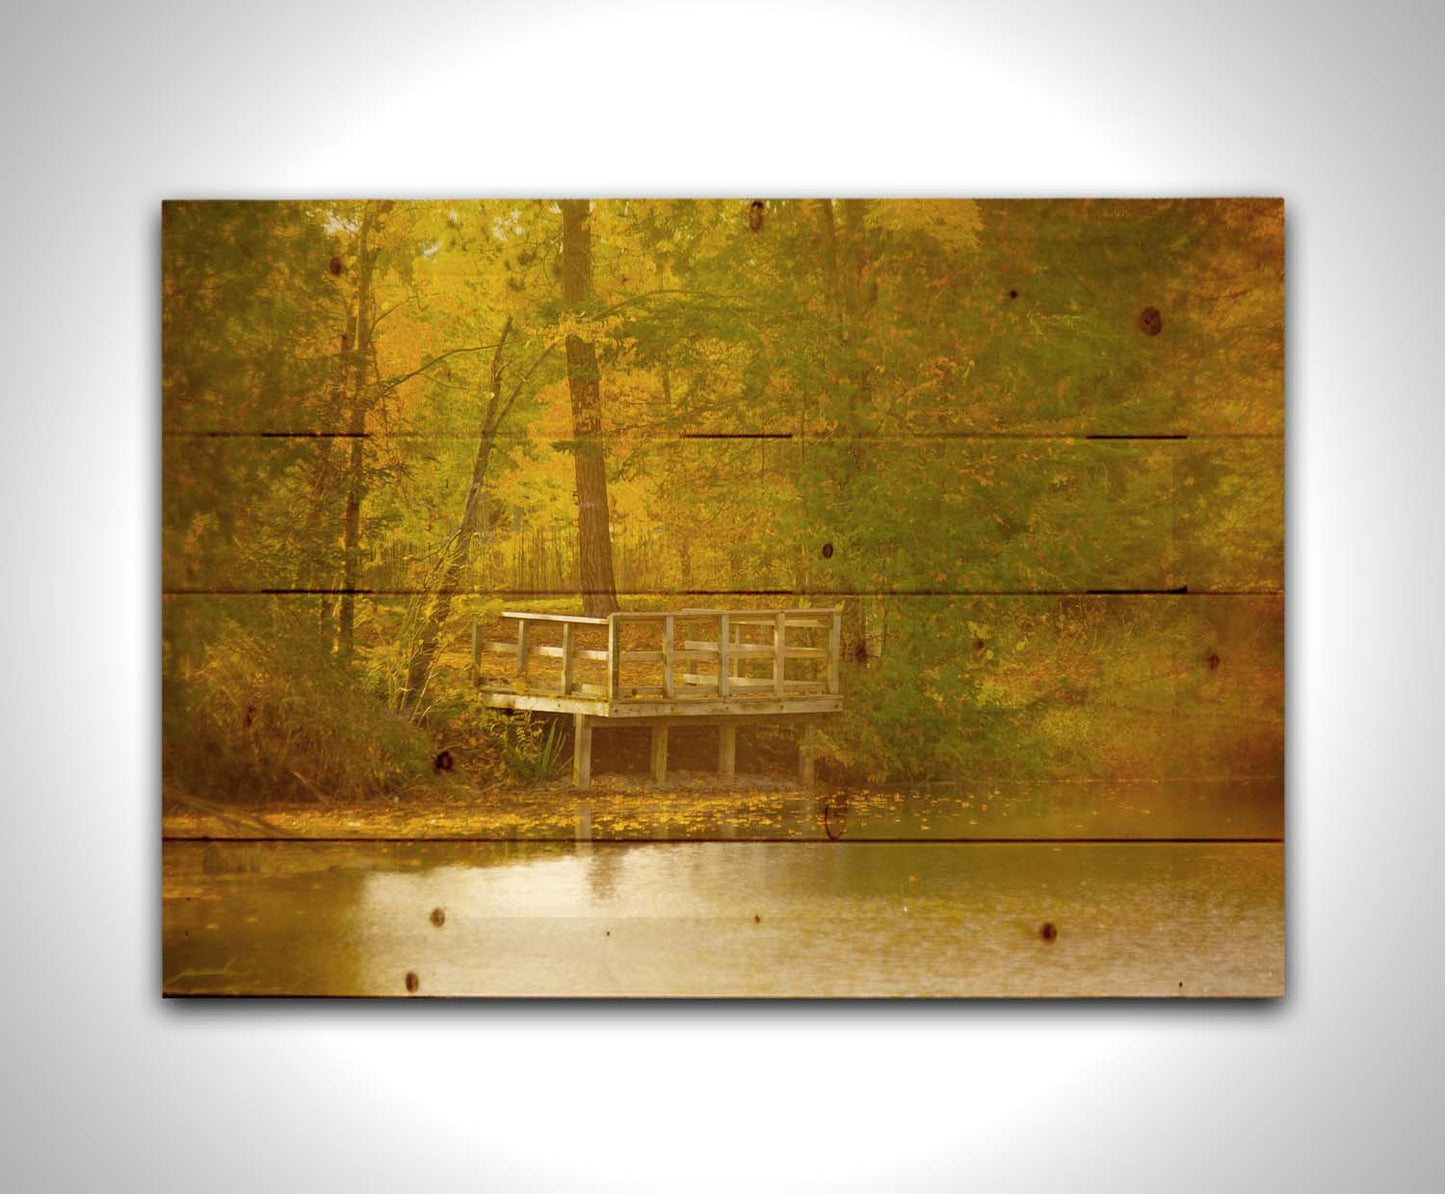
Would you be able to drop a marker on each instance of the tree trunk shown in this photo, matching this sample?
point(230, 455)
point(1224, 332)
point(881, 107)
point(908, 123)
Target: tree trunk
point(419, 666)
point(423, 655)
point(360, 350)
point(845, 264)
point(594, 534)
point(318, 567)
point(459, 550)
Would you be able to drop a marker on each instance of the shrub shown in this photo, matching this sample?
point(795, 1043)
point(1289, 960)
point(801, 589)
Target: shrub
point(261, 710)
point(532, 755)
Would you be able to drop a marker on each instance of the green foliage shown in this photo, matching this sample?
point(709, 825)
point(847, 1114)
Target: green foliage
point(255, 708)
point(927, 373)
point(1076, 688)
point(532, 754)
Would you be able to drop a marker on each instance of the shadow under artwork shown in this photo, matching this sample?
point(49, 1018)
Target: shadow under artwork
point(742, 598)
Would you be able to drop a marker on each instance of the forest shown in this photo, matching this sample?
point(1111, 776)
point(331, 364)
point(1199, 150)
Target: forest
point(1032, 449)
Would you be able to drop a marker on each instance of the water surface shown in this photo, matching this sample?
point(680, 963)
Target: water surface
point(724, 918)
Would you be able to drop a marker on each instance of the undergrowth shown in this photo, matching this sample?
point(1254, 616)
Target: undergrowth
point(262, 711)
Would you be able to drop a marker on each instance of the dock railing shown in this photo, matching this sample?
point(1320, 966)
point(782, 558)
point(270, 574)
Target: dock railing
point(748, 650)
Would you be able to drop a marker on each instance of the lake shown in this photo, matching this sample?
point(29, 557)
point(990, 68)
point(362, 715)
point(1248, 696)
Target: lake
point(723, 918)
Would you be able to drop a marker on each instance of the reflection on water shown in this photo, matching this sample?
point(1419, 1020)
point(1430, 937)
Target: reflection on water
point(1214, 809)
point(716, 918)
point(707, 809)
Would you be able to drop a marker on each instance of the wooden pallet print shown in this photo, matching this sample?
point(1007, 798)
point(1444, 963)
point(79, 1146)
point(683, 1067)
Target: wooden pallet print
point(723, 598)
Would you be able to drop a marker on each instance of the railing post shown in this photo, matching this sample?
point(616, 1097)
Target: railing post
point(669, 630)
point(523, 646)
point(614, 656)
point(780, 651)
point(835, 650)
point(476, 652)
point(566, 658)
point(723, 689)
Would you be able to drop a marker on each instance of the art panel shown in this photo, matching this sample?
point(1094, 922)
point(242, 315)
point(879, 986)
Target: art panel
point(725, 597)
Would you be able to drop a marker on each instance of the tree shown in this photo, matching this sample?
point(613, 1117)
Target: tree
point(357, 343)
point(249, 318)
point(594, 533)
point(498, 406)
point(880, 402)
point(852, 294)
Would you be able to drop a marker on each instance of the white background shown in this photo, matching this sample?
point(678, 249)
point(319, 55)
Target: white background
point(107, 110)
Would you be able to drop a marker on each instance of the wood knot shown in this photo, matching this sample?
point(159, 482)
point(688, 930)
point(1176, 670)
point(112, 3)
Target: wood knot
point(755, 215)
point(438, 917)
point(444, 761)
point(827, 551)
point(413, 983)
point(1013, 294)
point(1213, 661)
point(334, 265)
point(1048, 930)
point(1151, 323)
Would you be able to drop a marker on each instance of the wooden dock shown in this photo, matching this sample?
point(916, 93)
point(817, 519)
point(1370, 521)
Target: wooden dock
point(664, 668)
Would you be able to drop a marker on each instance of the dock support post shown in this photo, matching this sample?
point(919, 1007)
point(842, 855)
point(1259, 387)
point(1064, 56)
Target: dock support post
point(806, 747)
point(581, 750)
point(727, 751)
point(659, 753)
